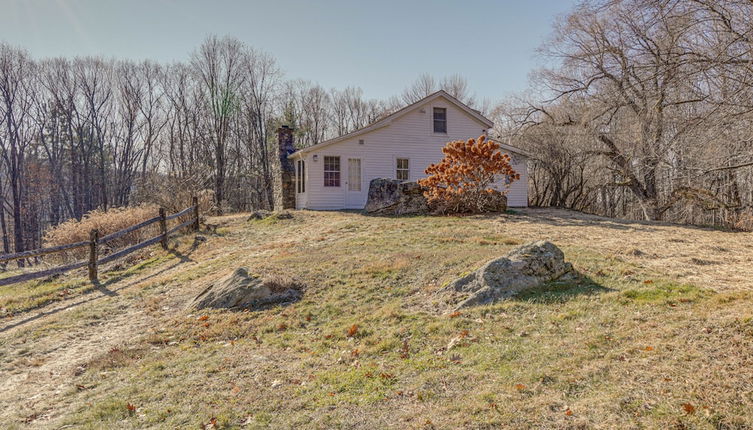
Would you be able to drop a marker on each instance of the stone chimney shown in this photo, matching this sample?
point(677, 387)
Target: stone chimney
point(285, 181)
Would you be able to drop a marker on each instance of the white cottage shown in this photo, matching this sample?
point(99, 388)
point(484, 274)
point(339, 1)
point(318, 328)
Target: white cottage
point(335, 174)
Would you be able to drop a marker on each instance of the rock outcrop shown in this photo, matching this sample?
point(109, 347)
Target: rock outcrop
point(394, 197)
point(239, 290)
point(524, 267)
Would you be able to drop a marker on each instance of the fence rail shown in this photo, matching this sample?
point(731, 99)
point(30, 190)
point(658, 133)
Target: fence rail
point(95, 242)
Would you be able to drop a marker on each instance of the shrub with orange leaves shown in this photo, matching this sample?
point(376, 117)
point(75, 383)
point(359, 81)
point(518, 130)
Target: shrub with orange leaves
point(461, 182)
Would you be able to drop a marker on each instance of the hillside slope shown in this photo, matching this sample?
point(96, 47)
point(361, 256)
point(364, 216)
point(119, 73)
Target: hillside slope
point(656, 333)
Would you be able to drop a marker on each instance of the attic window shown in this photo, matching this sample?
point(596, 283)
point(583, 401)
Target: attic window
point(440, 120)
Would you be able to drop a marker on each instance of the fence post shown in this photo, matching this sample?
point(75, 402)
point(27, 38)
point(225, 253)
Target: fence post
point(195, 203)
point(93, 240)
point(163, 228)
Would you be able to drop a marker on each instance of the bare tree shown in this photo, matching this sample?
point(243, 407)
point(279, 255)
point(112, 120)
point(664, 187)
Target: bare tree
point(17, 75)
point(220, 67)
point(423, 86)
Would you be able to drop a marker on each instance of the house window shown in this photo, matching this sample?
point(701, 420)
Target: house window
point(402, 171)
point(301, 176)
point(440, 120)
point(331, 171)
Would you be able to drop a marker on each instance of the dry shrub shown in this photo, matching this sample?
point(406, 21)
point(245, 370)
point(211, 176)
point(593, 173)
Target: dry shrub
point(174, 194)
point(744, 220)
point(282, 283)
point(113, 220)
point(461, 182)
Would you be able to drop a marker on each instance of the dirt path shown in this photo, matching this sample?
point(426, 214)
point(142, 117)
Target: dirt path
point(43, 349)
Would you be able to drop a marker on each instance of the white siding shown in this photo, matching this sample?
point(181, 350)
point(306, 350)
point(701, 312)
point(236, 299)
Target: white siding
point(409, 136)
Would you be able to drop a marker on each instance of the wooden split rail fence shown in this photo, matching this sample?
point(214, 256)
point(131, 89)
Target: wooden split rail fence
point(95, 242)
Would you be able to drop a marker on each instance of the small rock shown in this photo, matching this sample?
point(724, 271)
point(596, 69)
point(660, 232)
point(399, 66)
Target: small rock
point(262, 214)
point(454, 342)
point(276, 383)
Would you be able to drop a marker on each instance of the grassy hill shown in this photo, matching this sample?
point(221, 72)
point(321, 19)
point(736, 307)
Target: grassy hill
point(657, 332)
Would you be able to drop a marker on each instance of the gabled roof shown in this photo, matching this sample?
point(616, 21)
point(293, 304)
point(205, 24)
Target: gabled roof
point(384, 122)
point(510, 148)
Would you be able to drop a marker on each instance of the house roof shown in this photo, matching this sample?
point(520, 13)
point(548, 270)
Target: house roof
point(384, 122)
point(511, 148)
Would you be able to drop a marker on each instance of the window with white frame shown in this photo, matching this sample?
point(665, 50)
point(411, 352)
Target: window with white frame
point(301, 176)
point(440, 120)
point(402, 170)
point(331, 171)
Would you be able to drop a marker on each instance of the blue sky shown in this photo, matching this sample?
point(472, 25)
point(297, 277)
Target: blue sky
point(380, 46)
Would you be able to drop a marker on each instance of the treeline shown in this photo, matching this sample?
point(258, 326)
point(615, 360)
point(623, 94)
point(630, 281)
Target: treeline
point(88, 133)
point(648, 114)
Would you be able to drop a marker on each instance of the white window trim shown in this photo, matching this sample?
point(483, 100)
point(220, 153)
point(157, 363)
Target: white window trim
point(324, 171)
point(394, 165)
point(446, 120)
point(300, 183)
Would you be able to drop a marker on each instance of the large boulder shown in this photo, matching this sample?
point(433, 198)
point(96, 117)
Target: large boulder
point(495, 202)
point(524, 267)
point(239, 290)
point(394, 197)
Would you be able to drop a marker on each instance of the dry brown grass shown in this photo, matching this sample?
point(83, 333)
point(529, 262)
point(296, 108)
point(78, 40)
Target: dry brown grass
point(629, 345)
point(669, 249)
point(113, 220)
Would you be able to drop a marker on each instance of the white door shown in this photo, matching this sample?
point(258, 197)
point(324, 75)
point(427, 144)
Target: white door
point(354, 191)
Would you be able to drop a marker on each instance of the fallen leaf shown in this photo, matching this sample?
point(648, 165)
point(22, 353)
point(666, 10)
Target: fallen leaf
point(212, 424)
point(689, 409)
point(648, 348)
point(520, 387)
point(568, 412)
point(203, 318)
point(648, 281)
point(353, 330)
point(131, 408)
point(455, 314)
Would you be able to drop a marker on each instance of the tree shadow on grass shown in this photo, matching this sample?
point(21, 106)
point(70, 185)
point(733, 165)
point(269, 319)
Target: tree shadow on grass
point(562, 291)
